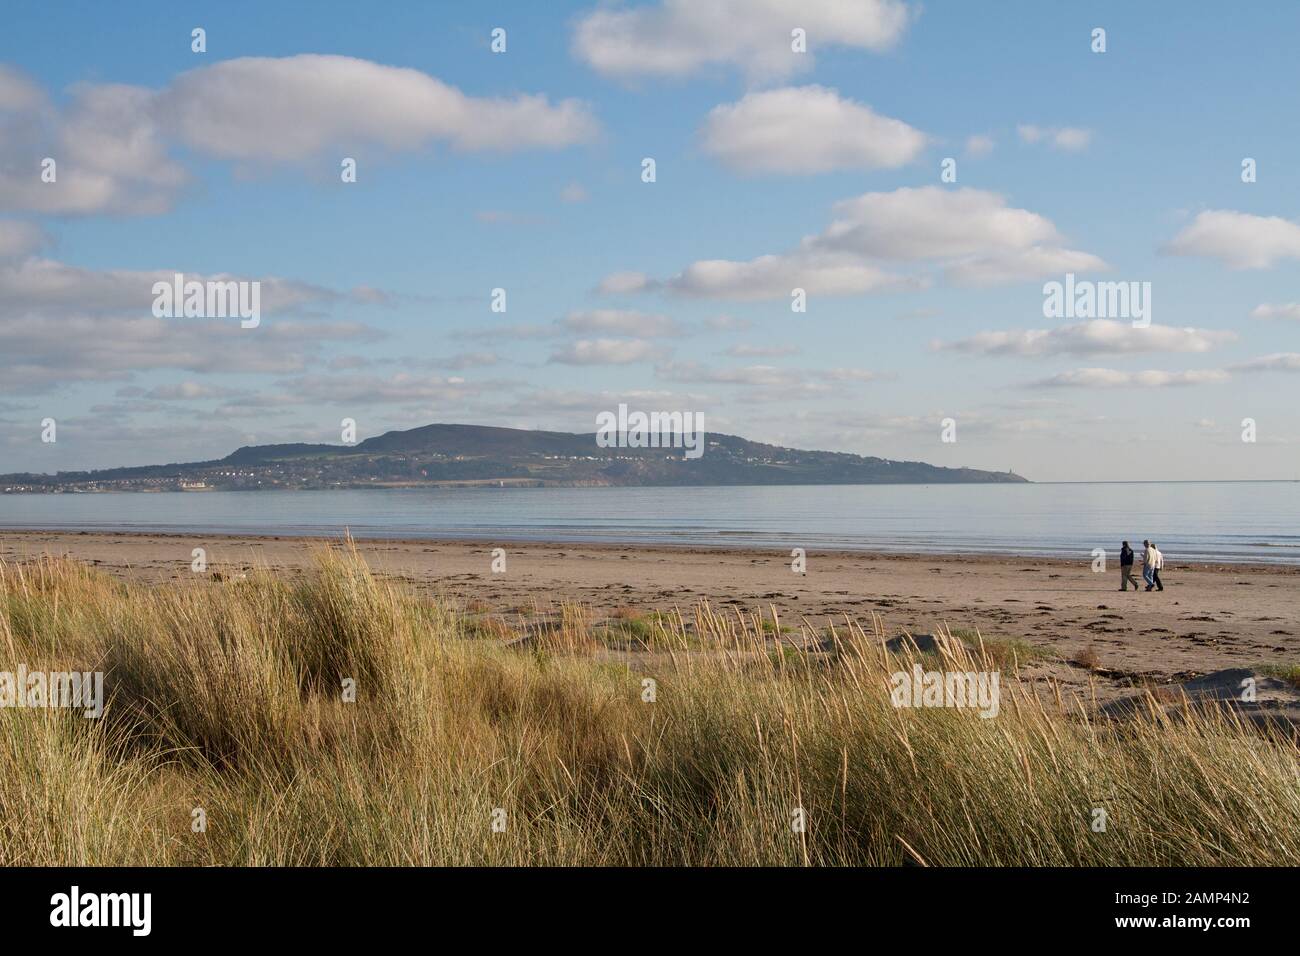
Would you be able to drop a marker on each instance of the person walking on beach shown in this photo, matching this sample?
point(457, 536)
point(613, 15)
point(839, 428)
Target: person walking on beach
point(1155, 570)
point(1126, 568)
point(1148, 563)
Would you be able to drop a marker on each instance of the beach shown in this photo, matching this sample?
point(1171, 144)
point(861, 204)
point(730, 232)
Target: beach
point(1085, 632)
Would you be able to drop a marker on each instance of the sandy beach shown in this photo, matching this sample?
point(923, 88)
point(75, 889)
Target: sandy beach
point(1209, 617)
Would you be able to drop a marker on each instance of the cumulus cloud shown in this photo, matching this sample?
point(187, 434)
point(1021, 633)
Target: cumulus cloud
point(606, 352)
point(807, 129)
point(1097, 337)
point(111, 144)
point(972, 234)
point(322, 102)
point(1111, 378)
point(108, 151)
point(1021, 265)
point(933, 223)
point(1239, 240)
point(675, 38)
point(773, 277)
point(1276, 310)
point(1069, 139)
point(979, 145)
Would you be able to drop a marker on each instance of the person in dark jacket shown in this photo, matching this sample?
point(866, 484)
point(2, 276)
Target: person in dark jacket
point(1126, 568)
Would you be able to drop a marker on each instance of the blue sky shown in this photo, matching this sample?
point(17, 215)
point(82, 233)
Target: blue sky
point(1119, 166)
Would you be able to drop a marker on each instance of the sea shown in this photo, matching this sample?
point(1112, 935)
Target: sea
point(1189, 521)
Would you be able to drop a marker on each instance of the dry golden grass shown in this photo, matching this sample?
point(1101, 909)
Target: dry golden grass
point(229, 697)
point(1087, 657)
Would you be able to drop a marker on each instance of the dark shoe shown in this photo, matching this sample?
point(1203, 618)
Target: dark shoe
point(1148, 587)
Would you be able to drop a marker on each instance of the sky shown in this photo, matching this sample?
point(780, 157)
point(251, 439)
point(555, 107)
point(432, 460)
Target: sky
point(921, 171)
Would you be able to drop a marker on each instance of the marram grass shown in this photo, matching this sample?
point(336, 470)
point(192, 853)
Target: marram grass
point(226, 740)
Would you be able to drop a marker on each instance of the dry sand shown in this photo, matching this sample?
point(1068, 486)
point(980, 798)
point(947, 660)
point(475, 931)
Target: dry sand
point(1209, 617)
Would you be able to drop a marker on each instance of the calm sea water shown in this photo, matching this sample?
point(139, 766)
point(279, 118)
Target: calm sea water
point(1195, 521)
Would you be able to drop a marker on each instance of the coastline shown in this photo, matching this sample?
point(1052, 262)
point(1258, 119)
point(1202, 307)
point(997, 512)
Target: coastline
point(1211, 616)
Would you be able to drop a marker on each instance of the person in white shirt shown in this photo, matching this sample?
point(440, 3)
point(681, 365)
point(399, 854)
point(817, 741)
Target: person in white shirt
point(1148, 564)
point(1159, 558)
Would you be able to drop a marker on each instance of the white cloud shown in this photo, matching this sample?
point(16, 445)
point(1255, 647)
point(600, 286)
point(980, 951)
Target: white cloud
point(1238, 239)
point(1070, 139)
point(762, 351)
point(973, 234)
point(1111, 378)
point(46, 287)
point(109, 153)
point(794, 382)
point(621, 283)
point(111, 143)
point(853, 375)
point(1278, 310)
point(762, 375)
point(1021, 265)
point(621, 322)
point(979, 145)
point(929, 222)
point(1097, 337)
point(1277, 362)
point(18, 94)
point(359, 390)
point(774, 277)
point(185, 392)
point(679, 37)
point(40, 353)
point(293, 108)
point(606, 352)
point(19, 239)
point(506, 333)
point(458, 362)
point(61, 324)
point(807, 129)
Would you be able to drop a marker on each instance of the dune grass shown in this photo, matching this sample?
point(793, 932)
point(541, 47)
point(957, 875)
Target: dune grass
point(228, 739)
